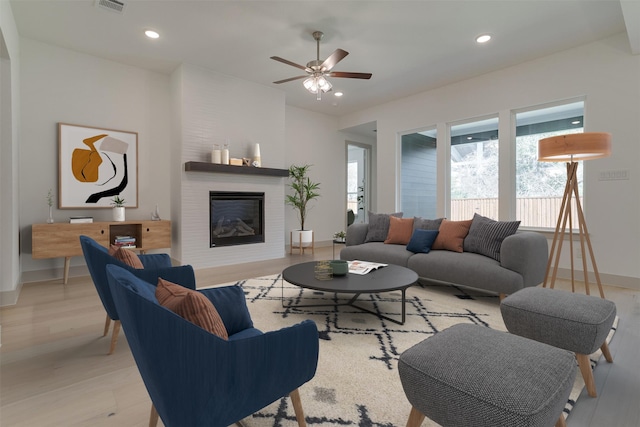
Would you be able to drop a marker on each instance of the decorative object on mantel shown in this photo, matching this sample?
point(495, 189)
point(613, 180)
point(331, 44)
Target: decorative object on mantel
point(225, 154)
point(571, 149)
point(235, 162)
point(216, 154)
point(246, 161)
point(155, 215)
point(304, 191)
point(118, 208)
point(257, 162)
point(50, 203)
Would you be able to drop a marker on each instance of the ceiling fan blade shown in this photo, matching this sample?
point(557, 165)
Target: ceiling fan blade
point(337, 56)
point(349, 75)
point(293, 64)
point(290, 79)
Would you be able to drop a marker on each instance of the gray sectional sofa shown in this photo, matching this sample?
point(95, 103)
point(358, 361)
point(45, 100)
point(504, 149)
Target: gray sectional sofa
point(523, 258)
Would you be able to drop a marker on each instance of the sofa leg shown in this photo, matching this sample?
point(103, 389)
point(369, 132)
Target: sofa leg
point(297, 407)
point(415, 418)
point(561, 422)
point(502, 296)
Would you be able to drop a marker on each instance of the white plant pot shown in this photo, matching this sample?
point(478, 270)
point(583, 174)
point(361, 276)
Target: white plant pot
point(301, 238)
point(118, 214)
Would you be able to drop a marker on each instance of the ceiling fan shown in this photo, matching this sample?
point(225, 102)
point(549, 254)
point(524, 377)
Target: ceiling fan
point(318, 71)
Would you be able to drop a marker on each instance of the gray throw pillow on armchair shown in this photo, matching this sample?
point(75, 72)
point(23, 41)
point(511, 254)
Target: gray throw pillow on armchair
point(379, 226)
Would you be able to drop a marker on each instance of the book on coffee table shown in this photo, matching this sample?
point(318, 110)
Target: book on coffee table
point(364, 267)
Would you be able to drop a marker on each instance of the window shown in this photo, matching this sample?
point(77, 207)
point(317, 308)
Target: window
point(418, 177)
point(540, 185)
point(474, 169)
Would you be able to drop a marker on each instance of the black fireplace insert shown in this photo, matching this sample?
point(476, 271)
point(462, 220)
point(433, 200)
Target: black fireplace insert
point(236, 218)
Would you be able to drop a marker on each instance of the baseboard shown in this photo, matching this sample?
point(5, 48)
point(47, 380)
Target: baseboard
point(53, 274)
point(606, 279)
point(10, 297)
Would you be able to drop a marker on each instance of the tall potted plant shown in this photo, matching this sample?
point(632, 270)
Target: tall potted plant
point(303, 191)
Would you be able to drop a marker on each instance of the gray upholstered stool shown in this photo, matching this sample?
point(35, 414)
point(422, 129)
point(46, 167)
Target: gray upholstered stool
point(470, 375)
point(574, 322)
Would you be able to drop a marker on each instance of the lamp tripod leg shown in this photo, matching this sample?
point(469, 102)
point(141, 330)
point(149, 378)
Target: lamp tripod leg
point(584, 238)
point(557, 243)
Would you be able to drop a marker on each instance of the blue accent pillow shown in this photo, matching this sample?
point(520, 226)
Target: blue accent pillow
point(421, 241)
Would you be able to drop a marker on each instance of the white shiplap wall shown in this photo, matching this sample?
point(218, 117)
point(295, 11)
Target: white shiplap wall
point(215, 108)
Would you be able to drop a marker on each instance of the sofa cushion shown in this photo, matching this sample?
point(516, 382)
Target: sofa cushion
point(426, 224)
point(422, 240)
point(451, 235)
point(127, 256)
point(400, 230)
point(192, 306)
point(467, 269)
point(379, 226)
point(486, 235)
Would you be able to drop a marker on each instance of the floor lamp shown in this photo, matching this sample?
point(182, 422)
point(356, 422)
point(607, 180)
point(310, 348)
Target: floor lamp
point(571, 149)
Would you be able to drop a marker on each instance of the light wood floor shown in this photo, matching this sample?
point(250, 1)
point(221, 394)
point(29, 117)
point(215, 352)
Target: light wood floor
point(55, 370)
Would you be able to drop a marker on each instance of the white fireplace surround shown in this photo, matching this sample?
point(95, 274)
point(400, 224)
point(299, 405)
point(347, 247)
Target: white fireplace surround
point(213, 108)
point(195, 219)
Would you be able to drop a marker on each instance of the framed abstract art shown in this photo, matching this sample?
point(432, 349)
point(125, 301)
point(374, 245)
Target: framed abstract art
point(95, 165)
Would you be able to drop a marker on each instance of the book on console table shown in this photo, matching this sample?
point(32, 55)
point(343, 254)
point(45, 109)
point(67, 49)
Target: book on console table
point(364, 267)
point(80, 219)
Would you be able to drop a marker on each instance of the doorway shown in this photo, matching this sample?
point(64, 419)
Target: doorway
point(358, 180)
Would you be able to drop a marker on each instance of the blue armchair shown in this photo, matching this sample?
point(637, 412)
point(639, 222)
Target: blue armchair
point(194, 377)
point(155, 265)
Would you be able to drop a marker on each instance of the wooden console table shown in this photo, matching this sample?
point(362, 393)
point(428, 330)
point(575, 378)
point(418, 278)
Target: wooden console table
point(62, 239)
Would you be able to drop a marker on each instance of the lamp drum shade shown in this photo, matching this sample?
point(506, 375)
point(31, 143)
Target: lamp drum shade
point(575, 147)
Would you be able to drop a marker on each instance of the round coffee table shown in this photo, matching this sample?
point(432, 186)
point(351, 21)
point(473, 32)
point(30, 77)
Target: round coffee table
point(384, 279)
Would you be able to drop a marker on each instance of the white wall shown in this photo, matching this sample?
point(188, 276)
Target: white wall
point(313, 139)
point(604, 72)
point(9, 154)
point(60, 85)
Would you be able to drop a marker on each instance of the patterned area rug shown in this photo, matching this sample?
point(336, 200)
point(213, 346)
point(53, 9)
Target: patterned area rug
point(357, 381)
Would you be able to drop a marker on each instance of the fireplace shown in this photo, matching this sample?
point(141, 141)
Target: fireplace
point(236, 218)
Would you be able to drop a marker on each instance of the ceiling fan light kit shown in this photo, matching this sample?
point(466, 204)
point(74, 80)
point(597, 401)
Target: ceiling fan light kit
point(317, 85)
point(317, 71)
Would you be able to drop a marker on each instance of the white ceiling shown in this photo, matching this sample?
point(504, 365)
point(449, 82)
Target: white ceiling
point(409, 46)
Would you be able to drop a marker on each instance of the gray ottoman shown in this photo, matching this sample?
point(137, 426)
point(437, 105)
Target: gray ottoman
point(470, 375)
point(574, 322)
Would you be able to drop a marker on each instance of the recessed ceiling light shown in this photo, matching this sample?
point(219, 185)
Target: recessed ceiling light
point(483, 38)
point(338, 94)
point(575, 122)
point(151, 34)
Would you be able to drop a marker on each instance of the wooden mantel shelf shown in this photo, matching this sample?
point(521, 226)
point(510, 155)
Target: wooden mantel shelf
point(245, 170)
